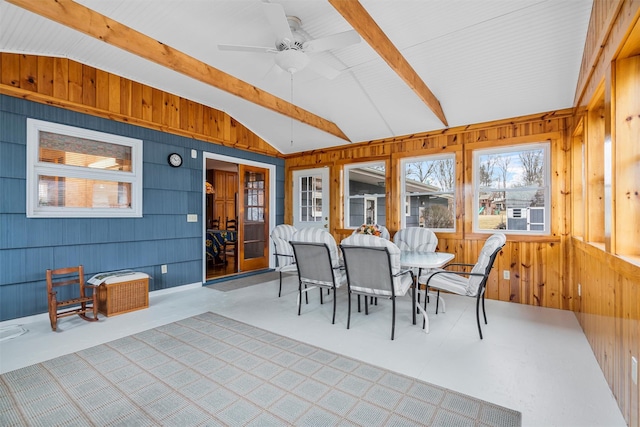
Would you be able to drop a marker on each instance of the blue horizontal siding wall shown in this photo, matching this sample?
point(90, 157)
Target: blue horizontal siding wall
point(29, 246)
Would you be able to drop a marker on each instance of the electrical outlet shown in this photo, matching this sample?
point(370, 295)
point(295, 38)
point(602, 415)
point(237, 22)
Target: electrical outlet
point(163, 268)
point(579, 290)
point(634, 370)
point(192, 217)
point(506, 275)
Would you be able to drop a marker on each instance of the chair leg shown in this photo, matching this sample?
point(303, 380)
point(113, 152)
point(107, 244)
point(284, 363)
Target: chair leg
point(280, 289)
point(393, 318)
point(321, 302)
point(300, 297)
point(359, 309)
point(483, 310)
point(425, 319)
point(53, 316)
point(442, 303)
point(84, 309)
point(437, 301)
point(366, 305)
point(478, 315)
point(224, 254)
point(334, 307)
point(349, 311)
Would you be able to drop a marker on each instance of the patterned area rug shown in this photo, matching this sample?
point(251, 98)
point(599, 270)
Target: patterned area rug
point(212, 370)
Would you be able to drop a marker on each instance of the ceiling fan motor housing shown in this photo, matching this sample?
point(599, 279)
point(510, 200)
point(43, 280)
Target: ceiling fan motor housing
point(298, 38)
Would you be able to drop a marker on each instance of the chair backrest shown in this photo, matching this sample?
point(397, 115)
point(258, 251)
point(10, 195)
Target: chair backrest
point(318, 235)
point(314, 263)
point(281, 235)
point(215, 224)
point(384, 232)
point(65, 277)
point(371, 263)
point(488, 253)
point(416, 239)
point(367, 241)
point(231, 224)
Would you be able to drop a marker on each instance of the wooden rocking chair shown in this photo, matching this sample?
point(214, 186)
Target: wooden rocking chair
point(79, 302)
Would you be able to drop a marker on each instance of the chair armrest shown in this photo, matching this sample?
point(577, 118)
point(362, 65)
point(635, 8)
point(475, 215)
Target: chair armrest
point(458, 264)
point(287, 255)
point(276, 254)
point(401, 272)
point(459, 273)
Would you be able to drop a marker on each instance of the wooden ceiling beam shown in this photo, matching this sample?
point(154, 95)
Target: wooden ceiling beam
point(363, 23)
point(94, 24)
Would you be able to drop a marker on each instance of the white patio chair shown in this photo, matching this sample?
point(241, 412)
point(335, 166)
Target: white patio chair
point(417, 239)
point(472, 283)
point(373, 270)
point(285, 260)
point(316, 255)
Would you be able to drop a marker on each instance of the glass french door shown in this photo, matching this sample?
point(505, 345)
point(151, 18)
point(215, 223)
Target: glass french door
point(253, 218)
point(311, 198)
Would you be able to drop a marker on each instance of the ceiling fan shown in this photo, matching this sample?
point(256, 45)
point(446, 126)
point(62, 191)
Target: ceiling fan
point(292, 45)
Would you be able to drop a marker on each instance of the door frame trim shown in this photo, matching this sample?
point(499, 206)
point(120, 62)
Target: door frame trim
point(272, 200)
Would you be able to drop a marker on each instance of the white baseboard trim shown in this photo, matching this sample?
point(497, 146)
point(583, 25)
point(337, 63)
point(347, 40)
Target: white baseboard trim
point(175, 289)
point(45, 316)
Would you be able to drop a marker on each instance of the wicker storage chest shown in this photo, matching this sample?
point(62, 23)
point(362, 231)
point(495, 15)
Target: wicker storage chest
point(123, 293)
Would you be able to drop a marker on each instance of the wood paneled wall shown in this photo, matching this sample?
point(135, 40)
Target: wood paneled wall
point(537, 264)
point(74, 86)
point(609, 312)
point(609, 308)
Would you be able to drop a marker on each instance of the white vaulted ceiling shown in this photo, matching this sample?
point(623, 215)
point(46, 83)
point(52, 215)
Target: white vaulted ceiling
point(483, 60)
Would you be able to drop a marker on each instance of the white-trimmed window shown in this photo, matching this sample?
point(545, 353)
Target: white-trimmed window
point(365, 194)
point(74, 172)
point(511, 189)
point(428, 185)
point(310, 198)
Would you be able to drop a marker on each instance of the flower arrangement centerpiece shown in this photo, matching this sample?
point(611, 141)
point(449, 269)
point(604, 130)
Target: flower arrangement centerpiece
point(370, 229)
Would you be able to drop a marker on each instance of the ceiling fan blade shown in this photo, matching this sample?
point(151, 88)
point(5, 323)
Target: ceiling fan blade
point(238, 48)
point(323, 69)
point(331, 42)
point(278, 20)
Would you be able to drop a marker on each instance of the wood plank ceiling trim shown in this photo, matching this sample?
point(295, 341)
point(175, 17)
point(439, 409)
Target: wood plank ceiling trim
point(94, 24)
point(363, 23)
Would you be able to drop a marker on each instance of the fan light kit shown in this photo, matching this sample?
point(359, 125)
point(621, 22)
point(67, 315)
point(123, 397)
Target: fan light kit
point(292, 60)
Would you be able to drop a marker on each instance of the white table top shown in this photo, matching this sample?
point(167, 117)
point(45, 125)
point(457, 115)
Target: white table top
point(424, 259)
